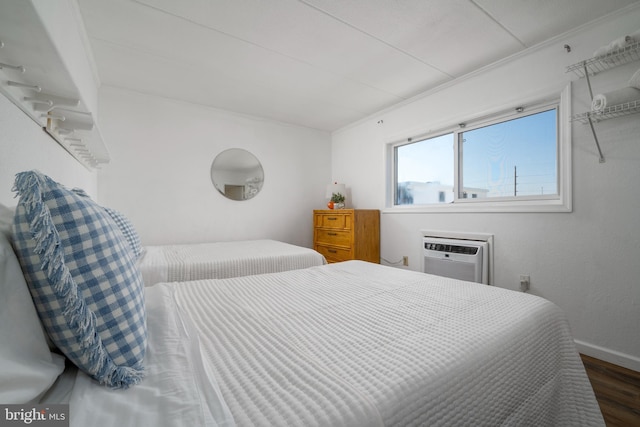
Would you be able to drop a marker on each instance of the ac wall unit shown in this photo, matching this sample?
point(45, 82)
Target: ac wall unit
point(456, 258)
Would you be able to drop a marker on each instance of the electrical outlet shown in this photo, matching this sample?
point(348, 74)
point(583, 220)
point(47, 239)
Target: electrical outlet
point(525, 282)
point(405, 260)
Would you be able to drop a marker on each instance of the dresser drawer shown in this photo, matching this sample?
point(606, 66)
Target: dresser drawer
point(333, 221)
point(333, 254)
point(333, 237)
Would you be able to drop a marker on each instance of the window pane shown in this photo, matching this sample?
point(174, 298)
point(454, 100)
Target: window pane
point(424, 171)
point(513, 158)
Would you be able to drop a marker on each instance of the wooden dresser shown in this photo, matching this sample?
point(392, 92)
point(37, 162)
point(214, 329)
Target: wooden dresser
point(345, 234)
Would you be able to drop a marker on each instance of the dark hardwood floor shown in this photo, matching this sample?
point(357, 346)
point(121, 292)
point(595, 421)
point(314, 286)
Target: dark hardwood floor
point(617, 390)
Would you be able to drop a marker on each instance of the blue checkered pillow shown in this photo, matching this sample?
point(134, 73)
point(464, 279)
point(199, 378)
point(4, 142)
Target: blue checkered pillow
point(127, 228)
point(128, 231)
point(83, 279)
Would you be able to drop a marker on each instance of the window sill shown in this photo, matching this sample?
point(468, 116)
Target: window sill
point(519, 206)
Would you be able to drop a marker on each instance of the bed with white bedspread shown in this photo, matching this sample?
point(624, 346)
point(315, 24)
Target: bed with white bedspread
point(220, 260)
point(345, 344)
point(348, 344)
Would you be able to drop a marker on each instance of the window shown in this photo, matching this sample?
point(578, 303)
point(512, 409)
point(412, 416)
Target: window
point(519, 161)
point(513, 158)
point(424, 171)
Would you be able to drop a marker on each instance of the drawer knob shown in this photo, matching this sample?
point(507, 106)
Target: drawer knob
point(333, 251)
point(332, 219)
point(332, 234)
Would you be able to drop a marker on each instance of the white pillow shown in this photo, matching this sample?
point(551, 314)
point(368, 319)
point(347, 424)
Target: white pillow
point(6, 220)
point(27, 366)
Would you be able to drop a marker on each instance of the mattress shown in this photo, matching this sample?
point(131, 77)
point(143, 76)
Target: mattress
point(175, 263)
point(348, 344)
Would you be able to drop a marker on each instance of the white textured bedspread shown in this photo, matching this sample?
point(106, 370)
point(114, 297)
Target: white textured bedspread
point(219, 260)
point(360, 344)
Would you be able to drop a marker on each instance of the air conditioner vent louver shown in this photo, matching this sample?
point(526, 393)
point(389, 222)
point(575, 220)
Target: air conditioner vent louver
point(467, 250)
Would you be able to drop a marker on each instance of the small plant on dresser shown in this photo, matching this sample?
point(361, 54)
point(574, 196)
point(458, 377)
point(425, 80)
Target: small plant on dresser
point(338, 201)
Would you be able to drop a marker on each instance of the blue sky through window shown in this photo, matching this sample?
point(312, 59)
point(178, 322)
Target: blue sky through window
point(427, 161)
point(518, 156)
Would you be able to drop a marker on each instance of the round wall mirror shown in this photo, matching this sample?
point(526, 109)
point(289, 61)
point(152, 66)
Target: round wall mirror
point(237, 174)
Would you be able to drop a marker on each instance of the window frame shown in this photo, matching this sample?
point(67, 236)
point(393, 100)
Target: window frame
point(561, 202)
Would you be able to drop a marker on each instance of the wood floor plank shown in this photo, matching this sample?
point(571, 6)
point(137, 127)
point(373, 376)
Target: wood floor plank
point(617, 390)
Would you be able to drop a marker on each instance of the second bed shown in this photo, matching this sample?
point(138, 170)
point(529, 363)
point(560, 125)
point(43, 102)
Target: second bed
point(221, 260)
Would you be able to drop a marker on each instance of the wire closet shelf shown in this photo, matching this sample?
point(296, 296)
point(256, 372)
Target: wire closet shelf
point(593, 66)
point(608, 112)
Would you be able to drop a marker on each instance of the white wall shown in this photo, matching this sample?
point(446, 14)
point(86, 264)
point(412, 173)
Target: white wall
point(159, 174)
point(25, 146)
point(586, 261)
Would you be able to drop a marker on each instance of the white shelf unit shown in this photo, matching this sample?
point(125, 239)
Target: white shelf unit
point(591, 67)
point(46, 71)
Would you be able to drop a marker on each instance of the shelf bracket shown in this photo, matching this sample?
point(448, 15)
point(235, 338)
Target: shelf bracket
point(586, 75)
point(593, 129)
point(595, 137)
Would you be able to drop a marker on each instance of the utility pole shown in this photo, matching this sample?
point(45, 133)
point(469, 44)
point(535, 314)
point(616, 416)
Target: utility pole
point(515, 181)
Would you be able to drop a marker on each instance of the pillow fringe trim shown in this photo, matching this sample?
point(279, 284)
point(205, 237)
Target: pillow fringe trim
point(78, 317)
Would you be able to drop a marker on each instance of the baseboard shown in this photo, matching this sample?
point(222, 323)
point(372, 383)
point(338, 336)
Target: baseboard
point(621, 359)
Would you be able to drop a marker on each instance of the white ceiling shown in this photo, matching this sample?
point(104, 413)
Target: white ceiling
point(317, 63)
